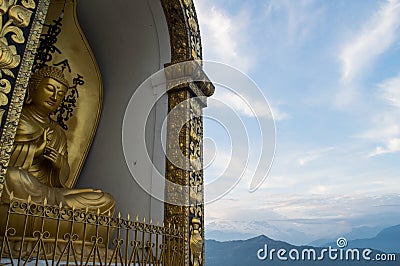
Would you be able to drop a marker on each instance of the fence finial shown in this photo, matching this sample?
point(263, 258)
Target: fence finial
point(128, 217)
point(11, 195)
point(29, 198)
point(45, 201)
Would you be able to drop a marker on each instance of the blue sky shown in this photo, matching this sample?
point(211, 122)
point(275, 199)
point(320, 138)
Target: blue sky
point(331, 73)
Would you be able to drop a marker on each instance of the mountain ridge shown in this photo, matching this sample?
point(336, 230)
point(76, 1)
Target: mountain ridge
point(252, 250)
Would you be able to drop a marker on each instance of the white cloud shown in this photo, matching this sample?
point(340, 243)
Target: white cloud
point(301, 17)
point(223, 35)
point(392, 146)
point(299, 219)
point(386, 128)
point(376, 36)
point(391, 91)
point(312, 156)
point(246, 105)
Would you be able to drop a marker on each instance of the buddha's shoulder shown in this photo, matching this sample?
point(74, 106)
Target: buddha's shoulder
point(28, 128)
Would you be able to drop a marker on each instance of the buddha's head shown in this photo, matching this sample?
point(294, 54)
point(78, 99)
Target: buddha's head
point(46, 90)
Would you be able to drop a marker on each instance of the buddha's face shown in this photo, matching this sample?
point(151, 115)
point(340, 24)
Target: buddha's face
point(48, 95)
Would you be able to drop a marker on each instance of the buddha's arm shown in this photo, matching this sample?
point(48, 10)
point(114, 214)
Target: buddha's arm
point(60, 165)
point(64, 170)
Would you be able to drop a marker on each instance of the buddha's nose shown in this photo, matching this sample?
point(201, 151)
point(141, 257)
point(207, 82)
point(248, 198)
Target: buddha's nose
point(53, 97)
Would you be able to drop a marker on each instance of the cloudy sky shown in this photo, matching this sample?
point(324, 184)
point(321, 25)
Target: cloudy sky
point(330, 71)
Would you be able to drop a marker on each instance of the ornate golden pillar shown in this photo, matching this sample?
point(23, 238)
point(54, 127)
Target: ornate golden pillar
point(186, 98)
point(22, 22)
point(188, 88)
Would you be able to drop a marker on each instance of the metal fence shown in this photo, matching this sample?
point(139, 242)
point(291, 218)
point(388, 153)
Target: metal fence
point(40, 234)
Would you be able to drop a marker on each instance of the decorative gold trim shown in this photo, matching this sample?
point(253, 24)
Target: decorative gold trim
point(21, 82)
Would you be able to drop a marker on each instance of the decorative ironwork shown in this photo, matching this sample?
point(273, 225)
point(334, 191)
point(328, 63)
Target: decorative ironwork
point(44, 56)
point(92, 238)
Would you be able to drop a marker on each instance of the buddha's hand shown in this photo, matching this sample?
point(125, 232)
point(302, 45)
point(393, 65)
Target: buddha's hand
point(41, 144)
point(53, 156)
point(49, 152)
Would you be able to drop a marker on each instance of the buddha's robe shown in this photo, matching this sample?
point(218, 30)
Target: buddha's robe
point(29, 173)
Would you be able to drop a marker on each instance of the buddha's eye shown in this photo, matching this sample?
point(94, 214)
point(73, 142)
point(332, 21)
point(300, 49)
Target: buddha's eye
point(49, 88)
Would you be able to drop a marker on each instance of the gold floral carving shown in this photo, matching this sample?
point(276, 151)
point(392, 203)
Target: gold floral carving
point(16, 15)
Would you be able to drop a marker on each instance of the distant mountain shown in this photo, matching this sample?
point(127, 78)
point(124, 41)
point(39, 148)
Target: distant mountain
point(356, 233)
point(229, 235)
point(244, 252)
point(387, 240)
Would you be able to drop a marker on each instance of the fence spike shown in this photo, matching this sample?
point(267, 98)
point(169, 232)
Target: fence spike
point(98, 211)
point(29, 198)
point(109, 213)
point(144, 220)
point(11, 195)
point(119, 215)
point(45, 201)
point(87, 209)
point(137, 218)
point(60, 205)
point(128, 217)
point(151, 221)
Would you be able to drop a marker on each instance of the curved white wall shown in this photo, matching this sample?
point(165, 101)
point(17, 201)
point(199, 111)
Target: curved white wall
point(130, 42)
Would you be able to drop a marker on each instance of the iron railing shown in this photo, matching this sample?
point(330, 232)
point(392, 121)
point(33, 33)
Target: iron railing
point(40, 234)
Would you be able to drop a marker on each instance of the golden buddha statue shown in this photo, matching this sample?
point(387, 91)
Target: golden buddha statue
point(39, 163)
